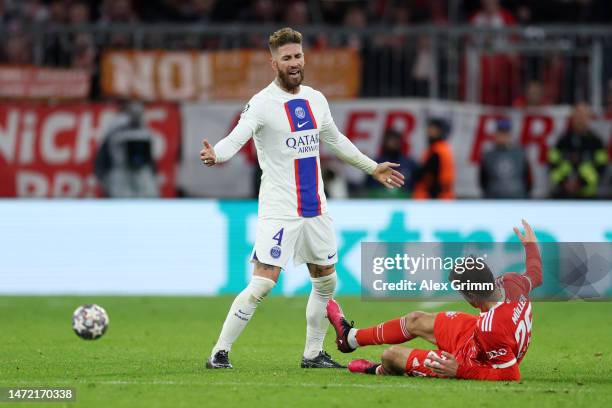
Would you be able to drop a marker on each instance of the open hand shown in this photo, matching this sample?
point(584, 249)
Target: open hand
point(387, 176)
point(207, 154)
point(529, 235)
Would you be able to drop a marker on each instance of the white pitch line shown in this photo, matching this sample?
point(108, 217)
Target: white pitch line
point(431, 305)
point(407, 385)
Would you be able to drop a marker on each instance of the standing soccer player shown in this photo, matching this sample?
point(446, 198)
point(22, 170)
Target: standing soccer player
point(286, 120)
point(486, 347)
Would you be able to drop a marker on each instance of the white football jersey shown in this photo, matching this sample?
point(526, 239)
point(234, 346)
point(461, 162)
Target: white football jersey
point(287, 129)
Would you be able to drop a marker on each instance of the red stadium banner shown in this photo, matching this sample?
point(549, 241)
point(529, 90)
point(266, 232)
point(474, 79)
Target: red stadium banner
point(28, 82)
point(48, 151)
point(219, 75)
point(364, 122)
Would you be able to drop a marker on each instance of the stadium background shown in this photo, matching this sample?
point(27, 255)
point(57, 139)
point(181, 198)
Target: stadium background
point(67, 66)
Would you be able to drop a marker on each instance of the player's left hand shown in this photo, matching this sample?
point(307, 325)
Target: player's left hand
point(387, 176)
point(444, 367)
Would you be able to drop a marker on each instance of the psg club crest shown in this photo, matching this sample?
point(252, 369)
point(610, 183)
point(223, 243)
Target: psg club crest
point(300, 113)
point(275, 252)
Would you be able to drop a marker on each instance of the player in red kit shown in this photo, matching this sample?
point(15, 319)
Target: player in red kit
point(486, 347)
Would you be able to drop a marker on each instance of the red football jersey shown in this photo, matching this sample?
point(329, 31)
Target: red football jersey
point(503, 333)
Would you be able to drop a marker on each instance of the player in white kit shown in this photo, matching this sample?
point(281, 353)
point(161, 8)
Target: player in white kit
point(287, 120)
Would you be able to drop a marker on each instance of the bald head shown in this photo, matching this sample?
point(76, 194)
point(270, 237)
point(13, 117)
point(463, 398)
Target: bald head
point(581, 116)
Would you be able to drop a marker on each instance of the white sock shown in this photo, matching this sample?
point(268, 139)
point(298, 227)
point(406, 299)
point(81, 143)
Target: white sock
point(241, 311)
point(352, 338)
point(316, 319)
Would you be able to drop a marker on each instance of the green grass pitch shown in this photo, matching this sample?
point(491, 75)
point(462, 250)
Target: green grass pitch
point(153, 355)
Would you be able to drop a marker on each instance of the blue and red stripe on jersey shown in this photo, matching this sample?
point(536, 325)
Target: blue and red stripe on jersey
point(307, 186)
point(300, 115)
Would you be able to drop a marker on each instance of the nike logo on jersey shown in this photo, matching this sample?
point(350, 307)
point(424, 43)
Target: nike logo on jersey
point(301, 125)
point(331, 256)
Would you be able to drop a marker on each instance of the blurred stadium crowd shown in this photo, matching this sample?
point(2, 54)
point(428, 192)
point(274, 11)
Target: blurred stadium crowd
point(521, 67)
point(506, 79)
point(302, 12)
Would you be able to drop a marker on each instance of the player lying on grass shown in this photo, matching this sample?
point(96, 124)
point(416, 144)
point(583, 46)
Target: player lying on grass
point(486, 347)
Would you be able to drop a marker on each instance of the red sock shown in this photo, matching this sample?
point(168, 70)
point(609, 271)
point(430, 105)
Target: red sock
point(390, 332)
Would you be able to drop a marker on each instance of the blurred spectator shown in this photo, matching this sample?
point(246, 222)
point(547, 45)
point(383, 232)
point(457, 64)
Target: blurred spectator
point(504, 170)
point(118, 11)
point(200, 10)
point(17, 50)
point(78, 13)
point(532, 97)
point(524, 14)
point(124, 162)
point(296, 14)
point(428, 11)
point(355, 17)
point(401, 15)
point(492, 15)
point(261, 11)
point(578, 159)
point(33, 11)
point(498, 71)
point(392, 151)
point(58, 12)
point(435, 177)
point(57, 48)
point(389, 59)
point(84, 56)
point(423, 67)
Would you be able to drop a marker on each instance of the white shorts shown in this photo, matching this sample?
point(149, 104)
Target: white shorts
point(307, 240)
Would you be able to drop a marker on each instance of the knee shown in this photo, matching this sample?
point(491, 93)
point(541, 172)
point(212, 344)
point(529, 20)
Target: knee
point(390, 354)
point(259, 288)
point(393, 361)
point(413, 321)
point(325, 286)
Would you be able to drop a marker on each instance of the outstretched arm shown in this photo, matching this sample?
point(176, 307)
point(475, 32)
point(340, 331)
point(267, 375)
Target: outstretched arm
point(342, 147)
point(533, 263)
point(249, 123)
point(227, 147)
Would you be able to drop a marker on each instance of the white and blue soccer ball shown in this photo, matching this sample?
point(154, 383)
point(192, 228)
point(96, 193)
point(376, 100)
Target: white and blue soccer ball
point(90, 322)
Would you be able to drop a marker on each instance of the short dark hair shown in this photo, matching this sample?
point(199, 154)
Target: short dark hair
point(441, 124)
point(284, 36)
point(478, 274)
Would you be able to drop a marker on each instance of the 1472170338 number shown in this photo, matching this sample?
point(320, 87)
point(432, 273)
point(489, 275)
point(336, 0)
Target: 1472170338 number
point(40, 394)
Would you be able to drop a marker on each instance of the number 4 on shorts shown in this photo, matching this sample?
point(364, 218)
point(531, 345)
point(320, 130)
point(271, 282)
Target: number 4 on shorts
point(278, 237)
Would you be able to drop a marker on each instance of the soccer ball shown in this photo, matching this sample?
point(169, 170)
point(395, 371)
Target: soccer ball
point(90, 322)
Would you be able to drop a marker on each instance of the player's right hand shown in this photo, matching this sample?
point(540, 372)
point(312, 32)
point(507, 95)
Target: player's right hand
point(529, 236)
point(207, 154)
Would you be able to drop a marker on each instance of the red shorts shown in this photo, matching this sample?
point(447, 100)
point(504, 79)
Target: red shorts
point(451, 330)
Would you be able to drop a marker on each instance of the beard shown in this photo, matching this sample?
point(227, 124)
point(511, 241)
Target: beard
point(289, 82)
